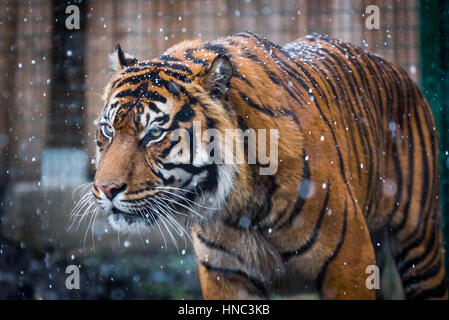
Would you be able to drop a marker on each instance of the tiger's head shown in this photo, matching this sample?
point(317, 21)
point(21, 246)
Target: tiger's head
point(151, 162)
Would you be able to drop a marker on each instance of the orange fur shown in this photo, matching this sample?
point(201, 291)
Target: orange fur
point(357, 157)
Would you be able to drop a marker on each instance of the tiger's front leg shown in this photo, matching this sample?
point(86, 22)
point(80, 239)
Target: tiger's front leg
point(223, 267)
point(224, 284)
point(343, 275)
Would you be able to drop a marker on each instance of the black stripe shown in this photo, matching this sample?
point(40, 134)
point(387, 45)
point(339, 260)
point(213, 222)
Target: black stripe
point(132, 70)
point(164, 65)
point(167, 150)
point(304, 189)
point(211, 183)
point(186, 167)
point(274, 78)
point(209, 243)
point(256, 106)
point(174, 88)
point(417, 242)
point(189, 56)
point(435, 292)
point(142, 91)
point(416, 260)
point(186, 113)
point(152, 76)
point(258, 285)
point(411, 174)
point(179, 76)
point(265, 210)
point(398, 170)
point(316, 232)
point(153, 107)
point(162, 119)
point(166, 57)
point(321, 275)
point(421, 228)
point(423, 276)
point(217, 48)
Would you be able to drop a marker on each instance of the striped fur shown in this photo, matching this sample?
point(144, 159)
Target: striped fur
point(358, 162)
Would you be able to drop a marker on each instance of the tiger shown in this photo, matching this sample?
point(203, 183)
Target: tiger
point(357, 165)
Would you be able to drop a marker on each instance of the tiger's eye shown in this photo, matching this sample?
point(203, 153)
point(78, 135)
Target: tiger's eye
point(152, 134)
point(108, 130)
point(155, 132)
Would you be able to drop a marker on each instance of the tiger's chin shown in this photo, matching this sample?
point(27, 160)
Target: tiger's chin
point(123, 222)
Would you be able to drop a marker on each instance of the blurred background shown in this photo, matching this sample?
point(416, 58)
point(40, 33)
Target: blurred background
point(51, 82)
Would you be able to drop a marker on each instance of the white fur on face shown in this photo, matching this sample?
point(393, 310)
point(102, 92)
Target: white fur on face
point(119, 224)
point(226, 172)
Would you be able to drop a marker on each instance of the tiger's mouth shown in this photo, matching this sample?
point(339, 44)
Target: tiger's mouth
point(161, 210)
point(120, 212)
point(133, 217)
point(128, 222)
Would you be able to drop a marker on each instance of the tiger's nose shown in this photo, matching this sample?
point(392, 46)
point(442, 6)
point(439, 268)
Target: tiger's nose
point(111, 190)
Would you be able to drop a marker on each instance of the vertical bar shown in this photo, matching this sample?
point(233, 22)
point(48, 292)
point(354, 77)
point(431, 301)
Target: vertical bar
point(433, 25)
point(7, 100)
point(444, 121)
point(68, 79)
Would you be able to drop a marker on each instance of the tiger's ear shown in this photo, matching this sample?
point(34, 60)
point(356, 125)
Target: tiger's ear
point(119, 60)
point(217, 77)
